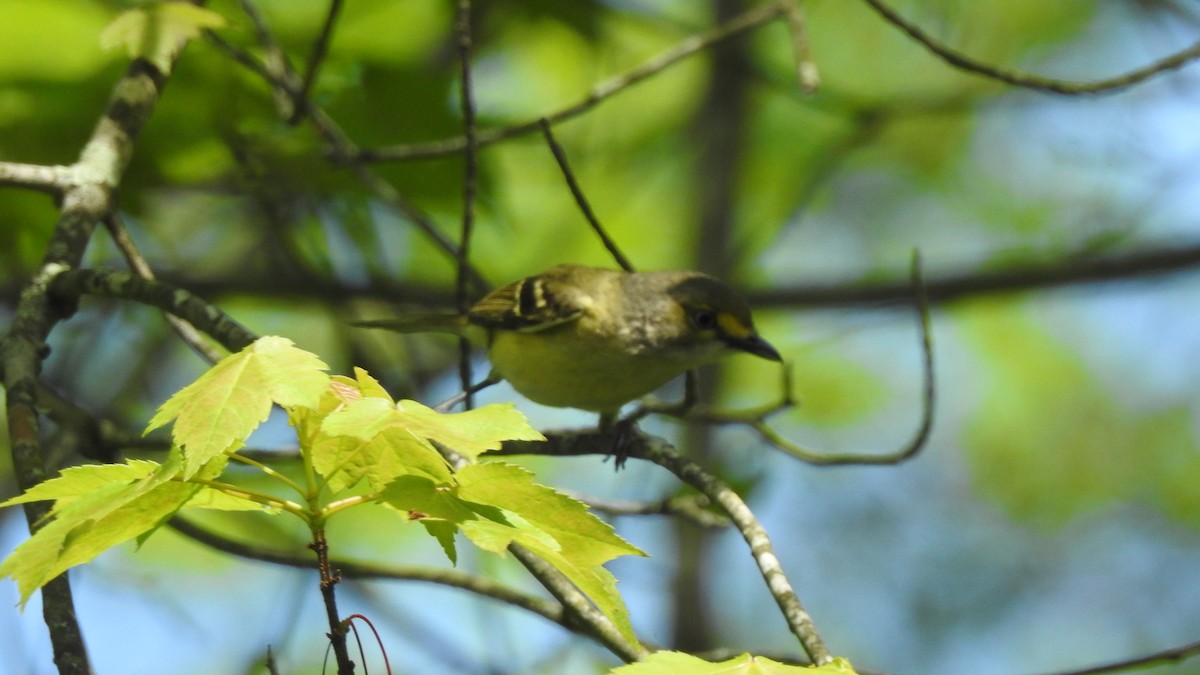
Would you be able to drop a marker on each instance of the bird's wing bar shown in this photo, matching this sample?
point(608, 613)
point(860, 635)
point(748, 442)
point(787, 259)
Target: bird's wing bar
point(527, 305)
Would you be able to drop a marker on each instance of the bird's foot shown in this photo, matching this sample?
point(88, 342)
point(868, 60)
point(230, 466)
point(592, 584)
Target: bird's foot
point(624, 434)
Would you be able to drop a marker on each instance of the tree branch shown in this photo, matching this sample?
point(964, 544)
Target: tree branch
point(1068, 270)
point(111, 284)
point(581, 200)
point(102, 162)
point(319, 50)
point(657, 450)
point(185, 331)
point(356, 569)
point(1028, 81)
point(1172, 655)
point(52, 179)
point(462, 286)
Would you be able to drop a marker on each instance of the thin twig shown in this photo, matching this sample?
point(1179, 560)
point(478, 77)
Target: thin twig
point(52, 179)
point(561, 157)
point(806, 69)
point(112, 284)
point(357, 569)
point(1070, 269)
point(689, 507)
point(278, 68)
point(329, 579)
point(186, 331)
point(1026, 80)
point(657, 450)
point(102, 163)
point(928, 399)
point(319, 50)
point(1172, 655)
point(470, 182)
point(690, 46)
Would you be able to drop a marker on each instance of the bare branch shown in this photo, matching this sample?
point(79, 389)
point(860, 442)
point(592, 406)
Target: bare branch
point(319, 50)
point(657, 450)
point(52, 179)
point(1028, 81)
point(691, 508)
point(470, 184)
point(806, 68)
point(1172, 655)
point(356, 569)
point(1066, 270)
point(278, 73)
point(129, 249)
point(111, 284)
point(102, 162)
point(561, 157)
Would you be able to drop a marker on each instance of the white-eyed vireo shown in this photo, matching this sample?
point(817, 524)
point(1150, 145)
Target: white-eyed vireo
point(596, 339)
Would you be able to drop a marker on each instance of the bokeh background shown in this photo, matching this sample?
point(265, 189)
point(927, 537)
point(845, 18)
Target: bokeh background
point(1050, 523)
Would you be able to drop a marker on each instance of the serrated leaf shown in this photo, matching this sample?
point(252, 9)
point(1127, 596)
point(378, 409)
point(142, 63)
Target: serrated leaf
point(443, 532)
point(369, 386)
point(216, 413)
point(496, 504)
point(90, 524)
point(679, 663)
point(365, 438)
point(557, 528)
point(591, 541)
point(469, 433)
point(158, 31)
point(80, 481)
point(472, 432)
point(421, 495)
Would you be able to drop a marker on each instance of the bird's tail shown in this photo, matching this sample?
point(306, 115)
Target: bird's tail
point(455, 324)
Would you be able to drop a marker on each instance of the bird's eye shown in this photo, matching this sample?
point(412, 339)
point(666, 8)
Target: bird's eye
point(704, 319)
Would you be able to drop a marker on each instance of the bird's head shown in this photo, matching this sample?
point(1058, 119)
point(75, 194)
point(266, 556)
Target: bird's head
point(716, 316)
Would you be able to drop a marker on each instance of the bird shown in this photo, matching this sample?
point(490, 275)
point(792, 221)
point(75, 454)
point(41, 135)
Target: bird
point(595, 339)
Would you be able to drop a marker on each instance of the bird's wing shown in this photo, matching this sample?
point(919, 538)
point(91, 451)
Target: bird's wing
point(531, 304)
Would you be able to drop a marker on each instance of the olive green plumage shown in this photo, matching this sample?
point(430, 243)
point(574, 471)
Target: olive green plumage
point(595, 339)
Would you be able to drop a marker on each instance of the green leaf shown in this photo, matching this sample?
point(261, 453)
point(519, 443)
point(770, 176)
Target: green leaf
point(589, 540)
point(369, 386)
point(80, 481)
point(366, 438)
point(557, 528)
point(158, 31)
point(472, 432)
point(444, 533)
point(215, 414)
point(422, 496)
point(678, 663)
point(369, 436)
point(469, 433)
point(87, 525)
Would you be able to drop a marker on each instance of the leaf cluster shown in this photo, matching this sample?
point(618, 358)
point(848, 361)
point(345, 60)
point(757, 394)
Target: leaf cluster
point(359, 448)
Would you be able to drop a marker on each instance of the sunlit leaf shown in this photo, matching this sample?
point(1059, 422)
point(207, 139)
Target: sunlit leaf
point(223, 406)
point(159, 30)
point(679, 663)
point(81, 481)
point(472, 432)
point(557, 528)
point(90, 524)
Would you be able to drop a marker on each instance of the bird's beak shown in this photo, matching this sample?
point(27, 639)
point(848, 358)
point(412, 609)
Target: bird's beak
point(753, 344)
